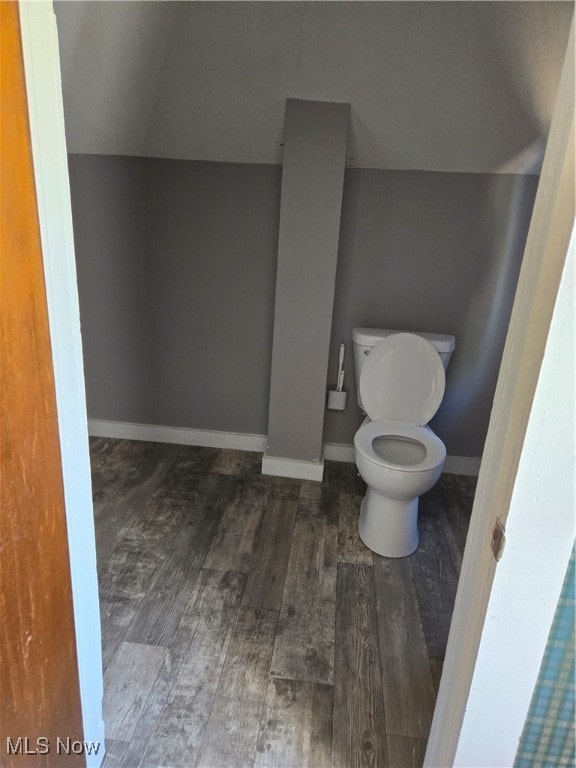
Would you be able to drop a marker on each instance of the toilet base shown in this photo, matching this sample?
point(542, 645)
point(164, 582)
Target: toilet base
point(389, 527)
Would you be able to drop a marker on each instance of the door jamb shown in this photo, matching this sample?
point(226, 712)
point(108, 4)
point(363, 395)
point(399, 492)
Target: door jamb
point(46, 114)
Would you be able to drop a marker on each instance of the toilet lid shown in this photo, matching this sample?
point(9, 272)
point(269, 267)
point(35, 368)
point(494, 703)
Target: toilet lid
point(402, 379)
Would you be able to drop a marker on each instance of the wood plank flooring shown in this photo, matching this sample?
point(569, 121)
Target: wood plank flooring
point(244, 623)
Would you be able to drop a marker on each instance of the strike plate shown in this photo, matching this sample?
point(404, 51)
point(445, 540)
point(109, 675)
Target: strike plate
point(498, 539)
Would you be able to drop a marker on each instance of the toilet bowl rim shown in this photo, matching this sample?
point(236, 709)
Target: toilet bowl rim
point(368, 432)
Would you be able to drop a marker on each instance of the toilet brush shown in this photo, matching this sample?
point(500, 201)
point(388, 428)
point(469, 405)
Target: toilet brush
point(337, 397)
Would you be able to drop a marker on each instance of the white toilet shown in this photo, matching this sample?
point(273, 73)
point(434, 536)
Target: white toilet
point(401, 383)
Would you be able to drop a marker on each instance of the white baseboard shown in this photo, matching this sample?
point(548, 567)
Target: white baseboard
point(339, 452)
point(207, 438)
point(302, 470)
point(462, 465)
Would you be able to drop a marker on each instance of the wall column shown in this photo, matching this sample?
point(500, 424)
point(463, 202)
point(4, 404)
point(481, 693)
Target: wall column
point(315, 138)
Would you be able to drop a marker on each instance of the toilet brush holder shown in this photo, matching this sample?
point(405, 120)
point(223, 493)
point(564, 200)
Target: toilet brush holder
point(337, 399)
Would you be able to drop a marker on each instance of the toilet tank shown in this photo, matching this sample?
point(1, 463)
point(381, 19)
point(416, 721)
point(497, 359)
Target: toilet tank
point(366, 338)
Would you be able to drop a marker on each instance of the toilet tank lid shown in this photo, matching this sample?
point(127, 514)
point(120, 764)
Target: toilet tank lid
point(368, 337)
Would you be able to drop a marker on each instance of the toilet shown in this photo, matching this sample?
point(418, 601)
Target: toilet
point(401, 384)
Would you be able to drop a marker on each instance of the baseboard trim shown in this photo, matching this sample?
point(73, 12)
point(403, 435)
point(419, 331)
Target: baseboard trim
point(207, 438)
point(339, 452)
point(462, 465)
point(301, 470)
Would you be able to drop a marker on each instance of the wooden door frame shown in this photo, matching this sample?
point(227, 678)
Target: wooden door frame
point(46, 115)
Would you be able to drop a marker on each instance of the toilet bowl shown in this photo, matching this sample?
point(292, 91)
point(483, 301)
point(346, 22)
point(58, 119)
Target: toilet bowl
point(398, 463)
point(401, 387)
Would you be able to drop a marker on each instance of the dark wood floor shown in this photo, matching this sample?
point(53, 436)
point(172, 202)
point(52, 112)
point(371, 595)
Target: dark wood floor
point(245, 624)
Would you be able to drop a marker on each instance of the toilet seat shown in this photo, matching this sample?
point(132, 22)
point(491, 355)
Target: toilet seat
point(429, 451)
point(403, 380)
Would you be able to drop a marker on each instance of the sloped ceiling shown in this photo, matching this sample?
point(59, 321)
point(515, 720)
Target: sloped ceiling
point(451, 86)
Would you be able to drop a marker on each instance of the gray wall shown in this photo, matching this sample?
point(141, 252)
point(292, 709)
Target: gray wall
point(108, 214)
point(437, 252)
point(177, 271)
point(211, 235)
